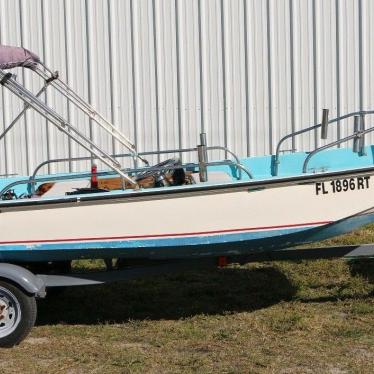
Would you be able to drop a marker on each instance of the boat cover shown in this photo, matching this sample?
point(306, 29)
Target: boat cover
point(11, 57)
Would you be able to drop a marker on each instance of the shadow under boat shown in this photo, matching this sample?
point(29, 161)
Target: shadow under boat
point(175, 296)
point(183, 294)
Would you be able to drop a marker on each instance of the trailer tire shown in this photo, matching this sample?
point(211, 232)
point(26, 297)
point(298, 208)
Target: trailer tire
point(17, 314)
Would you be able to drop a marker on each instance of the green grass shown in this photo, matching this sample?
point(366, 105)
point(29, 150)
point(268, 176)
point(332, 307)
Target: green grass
point(273, 317)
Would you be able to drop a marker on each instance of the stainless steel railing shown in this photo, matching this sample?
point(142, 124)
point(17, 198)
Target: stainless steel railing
point(358, 135)
point(237, 164)
point(360, 131)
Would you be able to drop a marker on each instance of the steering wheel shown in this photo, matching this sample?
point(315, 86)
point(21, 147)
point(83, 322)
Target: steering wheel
point(154, 171)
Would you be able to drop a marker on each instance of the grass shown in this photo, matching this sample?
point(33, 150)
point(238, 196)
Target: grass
point(274, 317)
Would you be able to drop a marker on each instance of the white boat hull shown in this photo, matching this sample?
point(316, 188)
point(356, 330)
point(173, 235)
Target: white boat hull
point(184, 218)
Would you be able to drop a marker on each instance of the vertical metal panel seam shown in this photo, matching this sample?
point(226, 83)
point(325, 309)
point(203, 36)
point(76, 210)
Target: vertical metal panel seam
point(22, 37)
point(270, 90)
point(224, 88)
point(177, 52)
point(292, 72)
point(42, 10)
point(132, 37)
point(67, 57)
point(155, 48)
point(360, 55)
point(202, 124)
point(337, 33)
point(246, 77)
point(89, 69)
point(111, 76)
point(315, 94)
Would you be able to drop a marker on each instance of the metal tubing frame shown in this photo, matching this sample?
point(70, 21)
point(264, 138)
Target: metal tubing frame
point(239, 166)
point(362, 138)
point(337, 142)
point(203, 158)
point(93, 114)
point(356, 129)
point(23, 112)
point(311, 128)
point(324, 123)
point(53, 117)
point(88, 158)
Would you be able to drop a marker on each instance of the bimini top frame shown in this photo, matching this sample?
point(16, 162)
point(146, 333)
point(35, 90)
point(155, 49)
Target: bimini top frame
point(11, 57)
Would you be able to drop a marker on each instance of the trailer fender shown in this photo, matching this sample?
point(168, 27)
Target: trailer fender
point(23, 278)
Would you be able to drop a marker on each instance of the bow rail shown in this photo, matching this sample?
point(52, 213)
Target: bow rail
point(359, 132)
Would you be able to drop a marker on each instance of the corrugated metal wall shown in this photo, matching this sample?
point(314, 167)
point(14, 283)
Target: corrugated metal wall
point(245, 71)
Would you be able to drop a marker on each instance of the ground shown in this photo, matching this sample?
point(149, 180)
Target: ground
point(274, 317)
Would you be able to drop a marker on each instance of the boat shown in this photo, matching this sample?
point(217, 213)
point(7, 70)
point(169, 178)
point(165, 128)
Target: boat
point(175, 209)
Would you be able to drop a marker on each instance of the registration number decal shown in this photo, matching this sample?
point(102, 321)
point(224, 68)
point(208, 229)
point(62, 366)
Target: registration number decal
point(342, 185)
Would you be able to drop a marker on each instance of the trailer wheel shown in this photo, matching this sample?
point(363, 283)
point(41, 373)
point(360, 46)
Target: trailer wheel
point(17, 314)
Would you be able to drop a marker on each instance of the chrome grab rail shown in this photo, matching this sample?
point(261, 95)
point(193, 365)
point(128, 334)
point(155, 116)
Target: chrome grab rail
point(359, 134)
point(87, 158)
point(240, 167)
point(276, 163)
point(33, 181)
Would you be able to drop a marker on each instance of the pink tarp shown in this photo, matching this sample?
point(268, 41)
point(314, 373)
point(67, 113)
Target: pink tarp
point(11, 57)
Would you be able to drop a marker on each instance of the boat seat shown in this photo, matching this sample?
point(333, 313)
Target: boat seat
point(213, 176)
point(60, 188)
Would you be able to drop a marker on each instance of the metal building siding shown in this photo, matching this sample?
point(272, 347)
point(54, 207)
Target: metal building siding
point(245, 71)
